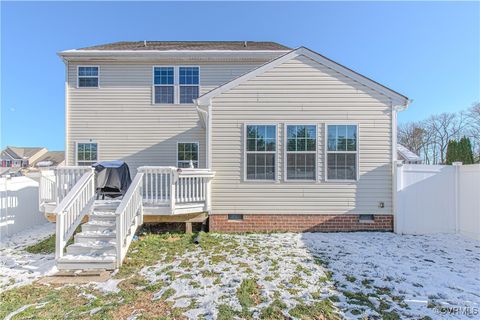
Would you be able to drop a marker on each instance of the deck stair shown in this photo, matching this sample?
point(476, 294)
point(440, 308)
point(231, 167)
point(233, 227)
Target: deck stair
point(94, 248)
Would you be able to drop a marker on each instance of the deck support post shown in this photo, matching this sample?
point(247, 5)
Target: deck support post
point(188, 227)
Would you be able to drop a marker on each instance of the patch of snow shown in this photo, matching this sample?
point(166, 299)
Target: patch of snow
point(413, 274)
point(18, 267)
point(272, 259)
point(109, 286)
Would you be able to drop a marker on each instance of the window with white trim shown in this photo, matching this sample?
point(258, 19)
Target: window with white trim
point(261, 146)
point(163, 78)
point(189, 84)
point(342, 155)
point(176, 85)
point(187, 151)
point(301, 152)
point(87, 77)
point(87, 153)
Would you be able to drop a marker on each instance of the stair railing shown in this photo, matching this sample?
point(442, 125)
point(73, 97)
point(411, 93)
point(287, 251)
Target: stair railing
point(71, 210)
point(129, 216)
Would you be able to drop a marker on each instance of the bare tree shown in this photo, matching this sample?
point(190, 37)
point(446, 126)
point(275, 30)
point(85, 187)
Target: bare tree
point(411, 135)
point(444, 127)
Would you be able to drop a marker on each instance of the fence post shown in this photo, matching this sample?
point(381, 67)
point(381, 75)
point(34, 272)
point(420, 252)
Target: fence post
point(457, 166)
point(173, 190)
point(396, 188)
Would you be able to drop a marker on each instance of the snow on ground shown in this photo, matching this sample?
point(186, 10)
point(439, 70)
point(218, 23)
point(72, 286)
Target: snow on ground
point(414, 275)
point(18, 267)
point(279, 263)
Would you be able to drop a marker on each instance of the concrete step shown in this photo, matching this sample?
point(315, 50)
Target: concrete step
point(92, 236)
point(86, 262)
point(98, 225)
point(92, 248)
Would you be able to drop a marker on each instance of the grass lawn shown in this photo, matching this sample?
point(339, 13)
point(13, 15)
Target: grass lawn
point(268, 276)
point(168, 276)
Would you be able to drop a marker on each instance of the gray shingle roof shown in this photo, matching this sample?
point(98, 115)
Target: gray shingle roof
point(189, 45)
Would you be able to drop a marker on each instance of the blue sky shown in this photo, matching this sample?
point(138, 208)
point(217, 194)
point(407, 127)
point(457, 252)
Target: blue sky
point(427, 51)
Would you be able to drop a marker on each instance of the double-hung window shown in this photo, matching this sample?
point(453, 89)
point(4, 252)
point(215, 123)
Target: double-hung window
point(87, 77)
point(176, 85)
point(189, 84)
point(261, 146)
point(87, 153)
point(186, 152)
point(163, 78)
point(301, 152)
point(342, 152)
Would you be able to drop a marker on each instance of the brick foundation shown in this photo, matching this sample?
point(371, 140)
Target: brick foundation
point(299, 223)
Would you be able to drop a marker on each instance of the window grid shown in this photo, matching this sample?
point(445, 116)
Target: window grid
point(175, 85)
point(187, 151)
point(87, 153)
point(260, 151)
point(301, 152)
point(87, 77)
point(342, 152)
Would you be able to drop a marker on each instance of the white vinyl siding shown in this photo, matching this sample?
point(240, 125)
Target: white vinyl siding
point(302, 91)
point(119, 115)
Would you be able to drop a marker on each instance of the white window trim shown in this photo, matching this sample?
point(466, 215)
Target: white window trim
point(198, 151)
point(276, 152)
point(86, 141)
point(88, 66)
point(285, 152)
point(326, 152)
point(176, 84)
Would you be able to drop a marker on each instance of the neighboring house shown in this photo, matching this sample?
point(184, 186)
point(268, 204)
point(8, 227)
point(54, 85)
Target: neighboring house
point(407, 156)
point(297, 141)
point(49, 160)
point(20, 157)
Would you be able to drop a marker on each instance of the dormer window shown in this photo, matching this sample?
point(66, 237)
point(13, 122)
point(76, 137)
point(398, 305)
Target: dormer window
point(176, 85)
point(87, 77)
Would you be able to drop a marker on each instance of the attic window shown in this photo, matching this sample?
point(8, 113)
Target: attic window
point(87, 77)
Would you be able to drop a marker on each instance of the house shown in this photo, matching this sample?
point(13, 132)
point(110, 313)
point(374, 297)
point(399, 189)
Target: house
point(49, 160)
point(20, 157)
point(280, 139)
point(407, 156)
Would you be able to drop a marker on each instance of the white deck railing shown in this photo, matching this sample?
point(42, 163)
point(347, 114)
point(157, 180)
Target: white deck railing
point(66, 178)
point(129, 216)
point(187, 186)
point(193, 185)
point(71, 210)
point(157, 183)
point(47, 192)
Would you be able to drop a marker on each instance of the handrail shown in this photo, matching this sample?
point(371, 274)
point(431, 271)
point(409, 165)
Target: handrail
point(71, 210)
point(129, 215)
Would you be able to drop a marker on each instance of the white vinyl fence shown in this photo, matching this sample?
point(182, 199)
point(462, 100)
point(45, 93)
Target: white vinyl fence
point(438, 199)
point(19, 205)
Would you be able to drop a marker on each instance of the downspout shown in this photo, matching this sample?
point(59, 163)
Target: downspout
point(395, 171)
